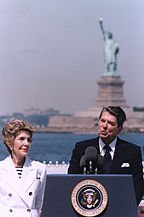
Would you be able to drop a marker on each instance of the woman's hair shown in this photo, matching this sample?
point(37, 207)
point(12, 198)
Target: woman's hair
point(12, 129)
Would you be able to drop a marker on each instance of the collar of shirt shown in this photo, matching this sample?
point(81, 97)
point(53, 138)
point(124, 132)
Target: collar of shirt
point(112, 145)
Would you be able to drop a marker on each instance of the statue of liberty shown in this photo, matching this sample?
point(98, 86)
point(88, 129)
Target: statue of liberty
point(111, 50)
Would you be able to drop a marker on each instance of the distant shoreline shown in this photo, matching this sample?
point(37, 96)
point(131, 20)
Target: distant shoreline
point(83, 131)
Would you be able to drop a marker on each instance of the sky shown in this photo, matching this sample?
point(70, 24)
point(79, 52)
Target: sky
point(51, 52)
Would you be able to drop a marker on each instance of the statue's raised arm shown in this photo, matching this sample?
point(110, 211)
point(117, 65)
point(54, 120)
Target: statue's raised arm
point(101, 26)
point(111, 50)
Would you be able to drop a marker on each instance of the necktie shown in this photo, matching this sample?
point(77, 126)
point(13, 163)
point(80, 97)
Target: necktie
point(107, 159)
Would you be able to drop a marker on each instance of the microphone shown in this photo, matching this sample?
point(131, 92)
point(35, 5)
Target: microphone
point(91, 159)
point(83, 164)
point(100, 162)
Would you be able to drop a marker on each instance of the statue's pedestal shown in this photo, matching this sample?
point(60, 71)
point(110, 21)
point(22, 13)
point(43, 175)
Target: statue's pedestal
point(110, 92)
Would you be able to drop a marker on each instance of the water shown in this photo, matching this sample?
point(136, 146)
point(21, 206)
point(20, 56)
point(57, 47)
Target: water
point(58, 147)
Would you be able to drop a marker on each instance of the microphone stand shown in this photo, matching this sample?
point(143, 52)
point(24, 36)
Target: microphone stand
point(96, 170)
point(90, 167)
point(84, 171)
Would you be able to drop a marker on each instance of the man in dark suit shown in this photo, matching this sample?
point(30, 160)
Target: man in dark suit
point(125, 157)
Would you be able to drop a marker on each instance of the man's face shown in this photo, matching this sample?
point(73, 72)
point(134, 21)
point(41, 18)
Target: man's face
point(108, 127)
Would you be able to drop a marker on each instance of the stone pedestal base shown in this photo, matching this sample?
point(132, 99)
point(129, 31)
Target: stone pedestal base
point(110, 92)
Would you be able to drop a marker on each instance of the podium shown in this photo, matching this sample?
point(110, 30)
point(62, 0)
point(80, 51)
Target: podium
point(117, 192)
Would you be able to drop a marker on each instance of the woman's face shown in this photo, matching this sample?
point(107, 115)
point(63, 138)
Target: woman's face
point(21, 145)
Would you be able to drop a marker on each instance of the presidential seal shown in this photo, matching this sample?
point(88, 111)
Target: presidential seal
point(89, 198)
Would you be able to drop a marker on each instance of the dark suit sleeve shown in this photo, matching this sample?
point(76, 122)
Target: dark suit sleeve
point(138, 175)
point(74, 166)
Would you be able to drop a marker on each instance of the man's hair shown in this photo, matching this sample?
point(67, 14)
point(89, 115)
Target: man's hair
point(116, 111)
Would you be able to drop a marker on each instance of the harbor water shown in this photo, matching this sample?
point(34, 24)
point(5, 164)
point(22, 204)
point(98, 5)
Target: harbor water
point(57, 147)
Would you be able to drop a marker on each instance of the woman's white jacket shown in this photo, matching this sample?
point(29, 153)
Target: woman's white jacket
point(21, 197)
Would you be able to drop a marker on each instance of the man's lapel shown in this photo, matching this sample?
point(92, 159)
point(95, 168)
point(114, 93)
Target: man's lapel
point(118, 156)
point(97, 145)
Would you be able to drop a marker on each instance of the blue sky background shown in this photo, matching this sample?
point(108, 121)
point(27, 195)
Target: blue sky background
point(51, 52)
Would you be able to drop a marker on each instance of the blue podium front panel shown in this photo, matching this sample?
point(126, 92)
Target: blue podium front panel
point(119, 197)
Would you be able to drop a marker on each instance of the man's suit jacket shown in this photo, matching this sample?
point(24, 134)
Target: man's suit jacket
point(127, 160)
point(21, 197)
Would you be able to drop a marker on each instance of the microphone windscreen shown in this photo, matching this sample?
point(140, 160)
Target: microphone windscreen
point(91, 154)
point(100, 160)
point(82, 161)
